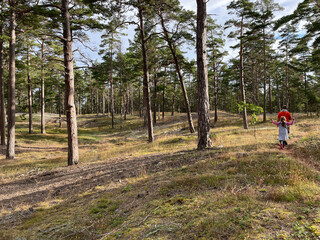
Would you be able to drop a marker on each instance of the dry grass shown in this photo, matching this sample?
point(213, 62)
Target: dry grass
point(243, 188)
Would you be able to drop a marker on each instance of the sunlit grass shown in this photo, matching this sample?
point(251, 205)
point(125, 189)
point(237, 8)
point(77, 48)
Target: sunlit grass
point(245, 187)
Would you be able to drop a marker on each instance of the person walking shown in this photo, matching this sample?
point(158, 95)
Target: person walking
point(283, 130)
point(285, 113)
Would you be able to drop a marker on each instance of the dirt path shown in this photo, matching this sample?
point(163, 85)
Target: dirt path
point(68, 181)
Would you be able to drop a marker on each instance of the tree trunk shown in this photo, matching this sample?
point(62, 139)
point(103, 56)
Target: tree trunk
point(91, 99)
point(140, 108)
point(10, 153)
point(103, 101)
point(173, 98)
point(43, 130)
point(178, 69)
point(131, 97)
point(270, 97)
point(29, 94)
point(264, 78)
point(287, 80)
point(155, 97)
point(243, 94)
point(163, 96)
point(2, 102)
point(111, 87)
point(59, 108)
point(215, 86)
point(97, 101)
point(204, 140)
point(146, 89)
point(73, 154)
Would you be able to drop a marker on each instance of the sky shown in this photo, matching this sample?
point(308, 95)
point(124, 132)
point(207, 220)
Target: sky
point(217, 8)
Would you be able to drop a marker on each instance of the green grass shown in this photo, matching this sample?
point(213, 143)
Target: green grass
point(263, 194)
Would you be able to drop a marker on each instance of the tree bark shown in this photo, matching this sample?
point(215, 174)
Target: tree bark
point(155, 97)
point(59, 107)
point(10, 153)
point(287, 79)
point(29, 93)
point(111, 87)
point(163, 96)
point(270, 97)
point(2, 102)
point(103, 101)
point(43, 130)
point(173, 98)
point(215, 87)
point(146, 89)
point(131, 97)
point(73, 154)
point(204, 140)
point(243, 94)
point(264, 78)
point(178, 69)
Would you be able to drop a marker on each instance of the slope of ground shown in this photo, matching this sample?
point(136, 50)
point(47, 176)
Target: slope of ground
point(125, 188)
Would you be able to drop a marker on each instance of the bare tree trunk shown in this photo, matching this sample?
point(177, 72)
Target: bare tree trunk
point(287, 80)
point(2, 103)
point(43, 130)
point(155, 98)
point(91, 99)
point(243, 94)
point(204, 140)
point(59, 108)
point(97, 101)
point(306, 91)
point(257, 82)
point(79, 104)
point(178, 69)
point(140, 108)
point(108, 102)
point(111, 87)
point(10, 153)
point(131, 97)
point(270, 97)
point(126, 103)
point(215, 86)
point(73, 154)
point(29, 93)
point(103, 101)
point(163, 96)
point(146, 89)
point(264, 78)
point(173, 98)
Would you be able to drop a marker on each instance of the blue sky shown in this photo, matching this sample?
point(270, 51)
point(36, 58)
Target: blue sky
point(216, 7)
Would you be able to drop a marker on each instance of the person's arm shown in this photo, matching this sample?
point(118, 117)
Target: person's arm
point(291, 123)
point(276, 123)
point(279, 117)
point(290, 117)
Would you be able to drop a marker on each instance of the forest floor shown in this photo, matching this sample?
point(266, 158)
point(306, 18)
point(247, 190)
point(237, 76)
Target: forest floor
point(244, 187)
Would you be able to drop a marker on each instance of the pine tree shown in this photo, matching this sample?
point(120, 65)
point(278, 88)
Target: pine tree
point(204, 140)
